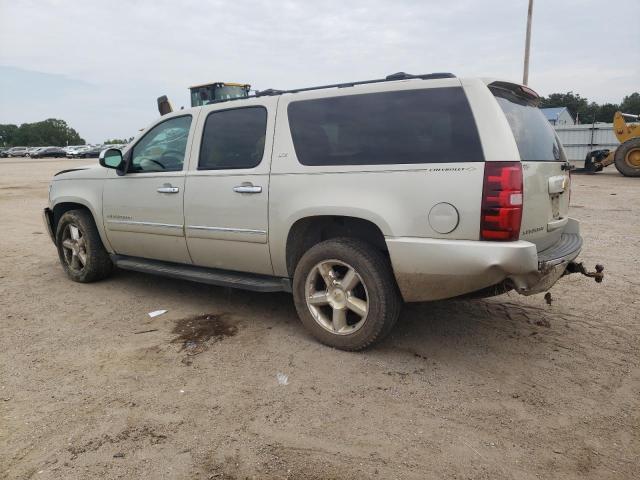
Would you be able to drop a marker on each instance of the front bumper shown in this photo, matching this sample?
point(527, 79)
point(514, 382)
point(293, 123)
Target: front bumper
point(434, 269)
point(47, 218)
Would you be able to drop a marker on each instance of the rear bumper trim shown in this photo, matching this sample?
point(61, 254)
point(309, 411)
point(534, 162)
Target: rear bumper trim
point(567, 248)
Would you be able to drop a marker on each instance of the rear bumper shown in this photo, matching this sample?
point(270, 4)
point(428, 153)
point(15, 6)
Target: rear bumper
point(434, 269)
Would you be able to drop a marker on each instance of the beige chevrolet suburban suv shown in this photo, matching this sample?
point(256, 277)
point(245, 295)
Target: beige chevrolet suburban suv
point(354, 197)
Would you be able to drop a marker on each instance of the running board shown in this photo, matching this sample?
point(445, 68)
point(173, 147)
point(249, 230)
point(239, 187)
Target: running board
point(211, 276)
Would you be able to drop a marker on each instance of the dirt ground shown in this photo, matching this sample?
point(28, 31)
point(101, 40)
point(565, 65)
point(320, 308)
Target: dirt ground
point(510, 387)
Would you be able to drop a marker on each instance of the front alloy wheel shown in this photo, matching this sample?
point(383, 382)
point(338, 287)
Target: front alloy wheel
point(74, 247)
point(80, 249)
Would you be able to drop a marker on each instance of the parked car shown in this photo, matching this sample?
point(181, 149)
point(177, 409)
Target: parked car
point(3, 152)
point(55, 152)
point(32, 150)
point(80, 152)
point(76, 152)
point(91, 152)
point(71, 148)
point(17, 152)
point(355, 199)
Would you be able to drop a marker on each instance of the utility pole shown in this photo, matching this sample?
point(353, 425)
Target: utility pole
point(527, 45)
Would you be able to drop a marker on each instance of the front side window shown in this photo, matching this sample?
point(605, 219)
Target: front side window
point(432, 125)
point(162, 149)
point(233, 139)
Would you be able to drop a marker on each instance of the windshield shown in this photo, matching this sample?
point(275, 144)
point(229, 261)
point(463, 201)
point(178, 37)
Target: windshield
point(211, 93)
point(229, 92)
point(535, 137)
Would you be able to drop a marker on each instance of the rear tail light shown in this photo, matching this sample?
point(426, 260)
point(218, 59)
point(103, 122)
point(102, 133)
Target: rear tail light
point(502, 199)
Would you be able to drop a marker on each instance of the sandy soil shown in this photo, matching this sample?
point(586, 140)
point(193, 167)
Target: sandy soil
point(510, 387)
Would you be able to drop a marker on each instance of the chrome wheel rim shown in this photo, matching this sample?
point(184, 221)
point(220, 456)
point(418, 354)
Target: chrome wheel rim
point(337, 297)
point(74, 247)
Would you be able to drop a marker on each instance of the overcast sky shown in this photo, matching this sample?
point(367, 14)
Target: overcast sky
point(100, 65)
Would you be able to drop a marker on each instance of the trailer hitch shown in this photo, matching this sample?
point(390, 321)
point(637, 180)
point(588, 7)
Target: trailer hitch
point(578, 267)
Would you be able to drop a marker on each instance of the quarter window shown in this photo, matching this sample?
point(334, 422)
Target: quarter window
point(162, 149)
point(233, 139)
point(432, 125)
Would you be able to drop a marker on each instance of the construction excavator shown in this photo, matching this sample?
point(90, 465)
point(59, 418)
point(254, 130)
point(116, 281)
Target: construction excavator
point(208, 93)
point(626, 157)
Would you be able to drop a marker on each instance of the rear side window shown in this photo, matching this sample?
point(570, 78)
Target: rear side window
point(233, 139)
point(411, 126)
point(535, 137)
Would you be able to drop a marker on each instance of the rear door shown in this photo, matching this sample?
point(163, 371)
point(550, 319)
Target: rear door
point(546, 178)
point(227, 187)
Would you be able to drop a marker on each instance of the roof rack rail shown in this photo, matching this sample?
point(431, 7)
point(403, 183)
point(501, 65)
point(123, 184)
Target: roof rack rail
point(388, 78)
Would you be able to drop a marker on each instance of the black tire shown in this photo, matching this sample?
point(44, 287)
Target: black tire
point(97, 263)
point(630, 148)
point(377, 281)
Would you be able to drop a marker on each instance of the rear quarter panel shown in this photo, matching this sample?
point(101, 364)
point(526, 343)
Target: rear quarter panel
point(397, 198)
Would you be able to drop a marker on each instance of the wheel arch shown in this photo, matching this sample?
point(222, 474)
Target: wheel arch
point(307, 231)
point(65, 204)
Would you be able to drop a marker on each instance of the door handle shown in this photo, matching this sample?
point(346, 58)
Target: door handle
point(247, 189)
point(168, 188)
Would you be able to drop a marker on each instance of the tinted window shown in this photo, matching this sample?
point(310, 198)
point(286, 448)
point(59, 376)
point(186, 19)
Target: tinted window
point(233, 139)
point(411, 126)
point(163, 147)
point(535, 137)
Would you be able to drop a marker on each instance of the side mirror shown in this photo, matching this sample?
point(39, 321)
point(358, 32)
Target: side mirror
point(111, 158)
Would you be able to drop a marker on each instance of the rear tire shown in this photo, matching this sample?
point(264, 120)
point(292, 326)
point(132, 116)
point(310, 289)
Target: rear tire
point(80, 248)
point(627, 158)
point(345, 293)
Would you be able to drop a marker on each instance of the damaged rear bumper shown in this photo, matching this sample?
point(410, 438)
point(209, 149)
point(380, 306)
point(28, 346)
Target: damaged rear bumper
point(552, 264)
point(434, 269)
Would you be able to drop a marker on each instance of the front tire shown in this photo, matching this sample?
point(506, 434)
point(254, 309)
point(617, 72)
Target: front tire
point(627, 158)
point(80, 249)
point(345, 293)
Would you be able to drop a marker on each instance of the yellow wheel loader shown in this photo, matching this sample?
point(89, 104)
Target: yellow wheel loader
point(208, 93)
point(626, 157)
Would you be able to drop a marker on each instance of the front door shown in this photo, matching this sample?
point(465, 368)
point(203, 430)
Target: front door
point(143, 210)
point(227, 188)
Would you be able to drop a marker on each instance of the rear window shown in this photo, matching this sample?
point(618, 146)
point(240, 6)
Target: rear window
point(534, 135)
point(403, 127)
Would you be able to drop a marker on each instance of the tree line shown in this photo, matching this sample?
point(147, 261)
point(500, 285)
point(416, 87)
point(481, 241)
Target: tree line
point(56, 132)
point(584, 111)
point(50, 132)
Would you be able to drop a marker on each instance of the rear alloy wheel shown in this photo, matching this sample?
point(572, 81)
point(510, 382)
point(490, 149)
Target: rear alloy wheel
point(345, 293)
point(337, 297)
point(80, 249)
point(627, 158)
